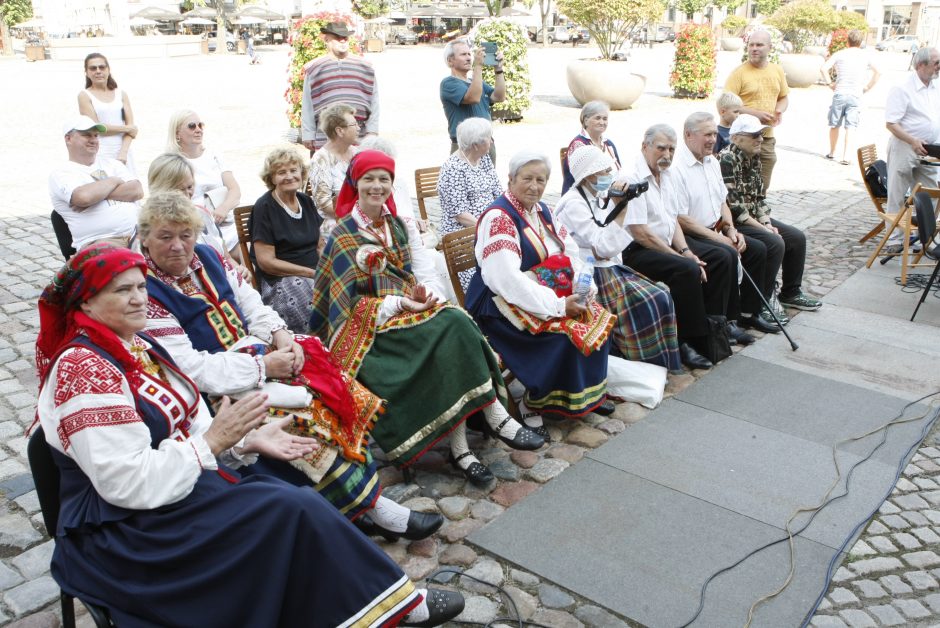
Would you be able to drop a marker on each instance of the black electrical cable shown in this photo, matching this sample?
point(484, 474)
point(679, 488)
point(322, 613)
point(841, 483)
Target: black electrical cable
point(833, 499)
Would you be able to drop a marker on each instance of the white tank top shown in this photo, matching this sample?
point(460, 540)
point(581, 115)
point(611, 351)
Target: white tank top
point(110, 113)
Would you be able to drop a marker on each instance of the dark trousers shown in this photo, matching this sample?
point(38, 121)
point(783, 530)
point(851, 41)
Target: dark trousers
point(719, 258)
point(788, 249)
point(683, 277)
point(762, 263)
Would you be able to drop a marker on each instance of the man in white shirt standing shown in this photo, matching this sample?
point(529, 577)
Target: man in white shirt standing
point(912, 115)
point(658, 249)
point(710, 231)
point(852, 66)
point(95, 195)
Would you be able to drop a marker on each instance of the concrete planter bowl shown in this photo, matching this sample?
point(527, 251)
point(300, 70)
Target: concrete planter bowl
point(802, 70)
point(610, 81)
point(732, 43)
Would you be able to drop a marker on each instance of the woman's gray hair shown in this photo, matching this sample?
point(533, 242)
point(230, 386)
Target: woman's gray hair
point(473, 131)
point(592, 109)
point(381, 144)
point(658, 129)
point(449, 48)
point(922, 56)
point(164, 207)
point(525, 157)
point(697, 118)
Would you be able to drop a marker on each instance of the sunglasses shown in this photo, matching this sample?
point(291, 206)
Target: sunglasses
point(192, 126)
point(95, 68)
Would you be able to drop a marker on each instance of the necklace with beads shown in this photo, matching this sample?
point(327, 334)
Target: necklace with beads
point(290, 212)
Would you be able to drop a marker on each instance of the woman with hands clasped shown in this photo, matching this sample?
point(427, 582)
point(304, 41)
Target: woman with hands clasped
point(104, 102)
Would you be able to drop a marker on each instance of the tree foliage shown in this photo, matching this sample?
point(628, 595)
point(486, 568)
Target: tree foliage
point(767, 7)
point(691, 7)
point(370, 9)
point(803, 20)
point(734, 24)
point(695, 68)
point(610, 21)
point(513, 42)
point(729, 6)
point(15, 11)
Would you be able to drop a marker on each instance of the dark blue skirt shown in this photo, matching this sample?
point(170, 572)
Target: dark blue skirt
point(256, 553)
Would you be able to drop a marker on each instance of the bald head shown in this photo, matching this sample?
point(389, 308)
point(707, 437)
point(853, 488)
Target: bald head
point(758, 48)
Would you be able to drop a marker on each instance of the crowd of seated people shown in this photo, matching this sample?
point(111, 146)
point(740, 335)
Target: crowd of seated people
point(161, 362)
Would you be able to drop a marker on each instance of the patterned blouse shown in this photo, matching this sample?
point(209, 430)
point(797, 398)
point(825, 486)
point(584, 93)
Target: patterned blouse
point(465, 188)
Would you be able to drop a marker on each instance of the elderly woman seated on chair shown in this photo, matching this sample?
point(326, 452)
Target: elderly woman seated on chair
point(377, 302)
point(521, 297)
point(285, 232)
point(155, 525)
point(217, 329)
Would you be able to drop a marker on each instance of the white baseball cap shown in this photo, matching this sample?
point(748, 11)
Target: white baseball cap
point(82, 123)
point(746, 123)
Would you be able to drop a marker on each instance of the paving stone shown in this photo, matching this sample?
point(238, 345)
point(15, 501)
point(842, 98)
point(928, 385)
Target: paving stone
point(912, 609)
point(842, 597)
point(876, 527)
point(869, 589)
point(842, 574)
point(546, 469)
point(44, 619)
point(526, 604)
point(915, 518)
point(895, 585)
point(926, 535)
point(907, 541)
point(12, 468)
point(523, 578)
point(401, 492)
point(932, 515)
point(32, 595)
point(418, 567)
point(924, 483)
point(553, 597)
point(931, 496)
point(933, 601)
point(457, 554)
point(508, 494)
point(875, 565)
point(861, 548)
point(675, 384)
point(487, 570)
point(910, 502)
point(425, 547)
point(396, 551)
point(17, 531)
point(612, 426)
point(856, 618)
point(556, 619)
point(887, 615)
point(485, 510)
point(827, 621)
point(883, 544)
point(824, 605)
point(8, 577)
point(454, 531)
point(888, 508)
point(586, 436)
point(906, 485)
point(35, 561)
point(437, 485)
point(895, 522)
point(455, 507)
point(13, 487)
point(505, 469)
point(923, 560)
point(629, 413)
point(478, 609)
point(921, 580)
point(421, 504)
point(525, 459)
point(596, 617)
point(568, 453)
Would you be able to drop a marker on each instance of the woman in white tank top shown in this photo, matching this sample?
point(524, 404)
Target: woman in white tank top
point(102, 101)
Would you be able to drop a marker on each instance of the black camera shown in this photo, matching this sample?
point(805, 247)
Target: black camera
point(633, 190)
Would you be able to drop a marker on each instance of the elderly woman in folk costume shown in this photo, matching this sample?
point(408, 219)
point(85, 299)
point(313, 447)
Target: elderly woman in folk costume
point(521, 297)
point(217, 329)
point(387, 327)
point(646, 317)
point(141, 459)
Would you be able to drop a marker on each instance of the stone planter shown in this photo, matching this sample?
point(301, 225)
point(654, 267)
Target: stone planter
point(821, 51)
point(610, 81)
point(802, 70)
point(732, 43)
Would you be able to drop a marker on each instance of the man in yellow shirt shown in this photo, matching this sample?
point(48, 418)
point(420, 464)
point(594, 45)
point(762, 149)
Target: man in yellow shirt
point(762, 87)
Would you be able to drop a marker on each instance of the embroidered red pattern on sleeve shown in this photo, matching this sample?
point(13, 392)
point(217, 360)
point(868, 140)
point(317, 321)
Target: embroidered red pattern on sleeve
point(155, 311)
point(501, 245)
point(502, 225)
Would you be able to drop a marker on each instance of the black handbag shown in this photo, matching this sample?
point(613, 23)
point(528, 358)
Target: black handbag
point(717, 344)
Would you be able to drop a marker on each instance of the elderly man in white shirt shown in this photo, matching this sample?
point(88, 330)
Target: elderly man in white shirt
point(710, 231)
point(96, 196)
point(912, 115)
point(658, 249)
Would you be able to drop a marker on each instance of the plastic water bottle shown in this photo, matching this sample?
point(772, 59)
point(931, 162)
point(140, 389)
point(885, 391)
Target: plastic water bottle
point(582, 283)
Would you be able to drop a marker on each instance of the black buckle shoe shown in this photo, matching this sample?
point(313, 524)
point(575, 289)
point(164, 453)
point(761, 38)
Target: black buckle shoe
point(605, 409)
point(758, 323)
point(692, 358)
point(739, 336)
point(526, 439)
point(477, 473)
point(442, 606)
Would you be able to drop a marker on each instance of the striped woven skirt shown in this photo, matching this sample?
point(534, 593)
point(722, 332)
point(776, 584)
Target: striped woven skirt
point(646, 317)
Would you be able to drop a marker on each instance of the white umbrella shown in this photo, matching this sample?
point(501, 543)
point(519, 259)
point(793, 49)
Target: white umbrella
point(142, 21)
point(247, 19)
point(197, 21)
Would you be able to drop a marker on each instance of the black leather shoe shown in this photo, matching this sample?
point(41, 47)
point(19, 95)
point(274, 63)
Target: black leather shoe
point(525, 439)
point(756, 322)
point(477, 473)
point(540, 430)
point(605, 409)
point(692, 358)
point(442, 606)
point(739, 336)
point(421, 525)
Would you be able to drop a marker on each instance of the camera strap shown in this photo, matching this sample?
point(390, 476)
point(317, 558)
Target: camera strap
point(612, 216)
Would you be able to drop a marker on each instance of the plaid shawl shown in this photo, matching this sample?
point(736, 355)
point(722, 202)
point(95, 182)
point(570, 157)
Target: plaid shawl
point(354, 267)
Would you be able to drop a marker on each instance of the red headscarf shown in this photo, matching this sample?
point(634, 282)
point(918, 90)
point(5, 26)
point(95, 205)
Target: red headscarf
point(360, 164)
point(60, 318)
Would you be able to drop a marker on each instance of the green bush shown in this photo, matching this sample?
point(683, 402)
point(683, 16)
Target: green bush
point(610, 21)
point(850, 21)
point(694, 71)
point(513, 42)
point(305, 46)
point(734, 24)
point(802, 20)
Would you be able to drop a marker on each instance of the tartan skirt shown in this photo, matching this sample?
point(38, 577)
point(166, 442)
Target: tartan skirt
point(646, 317)
point(290, 298)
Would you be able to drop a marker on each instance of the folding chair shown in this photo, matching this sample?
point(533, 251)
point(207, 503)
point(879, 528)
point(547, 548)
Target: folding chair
point(63, 235)
point(867, 155)
point(426, 187)
point(242, 216)
point(927, 230)
point(46, 478)
point(904, 220)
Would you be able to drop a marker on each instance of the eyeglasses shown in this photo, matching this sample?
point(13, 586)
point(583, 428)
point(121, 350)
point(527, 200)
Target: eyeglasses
point(354, 124)
point(754, 135)
point(192, 126)
point(95, 68)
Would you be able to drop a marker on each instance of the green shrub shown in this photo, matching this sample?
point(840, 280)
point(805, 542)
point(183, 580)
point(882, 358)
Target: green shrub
point(694, 71)
point(802, 20)
point(305, 46)
point(610, 21)
point(513, 42)
point(734, 24)
point(838, 41)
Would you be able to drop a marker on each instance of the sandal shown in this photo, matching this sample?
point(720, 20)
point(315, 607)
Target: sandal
point(844, 162)
point(830, 157)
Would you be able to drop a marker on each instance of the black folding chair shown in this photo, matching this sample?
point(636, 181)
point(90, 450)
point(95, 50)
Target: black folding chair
point(46, 479)
point(63, 235)
point(926, 229)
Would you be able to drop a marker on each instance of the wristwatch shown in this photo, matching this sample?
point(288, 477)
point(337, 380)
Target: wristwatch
point(683, 250)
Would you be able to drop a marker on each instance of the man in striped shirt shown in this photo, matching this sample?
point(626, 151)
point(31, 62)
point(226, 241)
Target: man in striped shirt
point(337, 77)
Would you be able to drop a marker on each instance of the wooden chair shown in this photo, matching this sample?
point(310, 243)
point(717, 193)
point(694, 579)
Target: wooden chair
point(458, 253)
point(563, 157)
point(867, 155)
point(242, 215)
point(903, 220)
point(426, 187)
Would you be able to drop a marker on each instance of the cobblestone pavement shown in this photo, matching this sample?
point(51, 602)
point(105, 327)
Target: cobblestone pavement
point(892, 574)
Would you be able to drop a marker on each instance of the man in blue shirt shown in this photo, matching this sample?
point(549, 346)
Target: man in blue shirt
point(464, 97)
